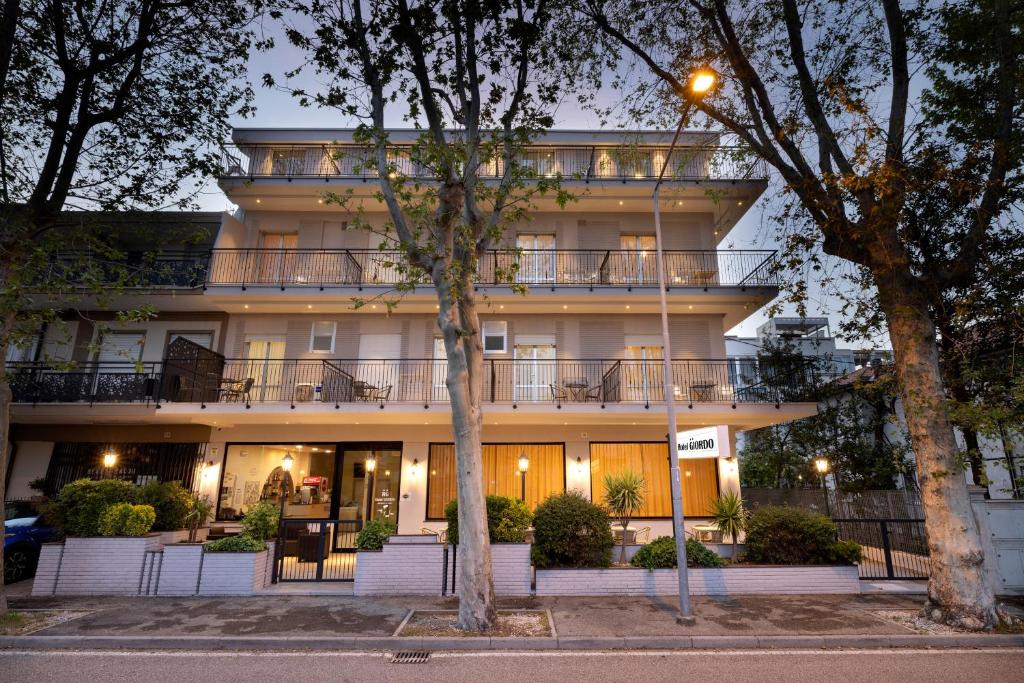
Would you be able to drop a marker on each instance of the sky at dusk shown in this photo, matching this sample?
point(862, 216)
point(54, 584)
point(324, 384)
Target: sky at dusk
point(278, 109)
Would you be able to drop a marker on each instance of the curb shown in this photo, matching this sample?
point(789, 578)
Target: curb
point(569, 643)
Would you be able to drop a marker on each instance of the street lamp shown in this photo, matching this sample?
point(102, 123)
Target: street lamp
point(700, 83)
point(286, 466)
point(109, 460)
point(524, 464)
point(821, 465)
point(371, 466)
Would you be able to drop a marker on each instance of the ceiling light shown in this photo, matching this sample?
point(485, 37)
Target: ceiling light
point(257, 200)
point(309, 305)
point(246, 306)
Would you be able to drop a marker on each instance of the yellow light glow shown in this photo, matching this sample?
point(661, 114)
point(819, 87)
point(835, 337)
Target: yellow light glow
point(524, 462)
point(821, 464)
point(286, 462)
point(371, 464)
point(702, 81)
point(109, 459)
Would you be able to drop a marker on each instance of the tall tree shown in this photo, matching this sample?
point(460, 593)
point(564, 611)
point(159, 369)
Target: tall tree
point(823, 92)
point(104, 104)
point(479, 80)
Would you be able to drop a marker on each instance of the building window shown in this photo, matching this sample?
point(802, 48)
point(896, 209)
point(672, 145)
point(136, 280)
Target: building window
point(650, 460)
point(495, 336)
point(545, 476)
point(321, 337)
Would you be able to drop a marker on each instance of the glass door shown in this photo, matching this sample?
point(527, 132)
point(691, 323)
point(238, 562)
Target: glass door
point(537, 261)
point(277, 263)
point(643, 373)
point(534, 371)
point(370, 477)
point(640, 265)
point(264, 365)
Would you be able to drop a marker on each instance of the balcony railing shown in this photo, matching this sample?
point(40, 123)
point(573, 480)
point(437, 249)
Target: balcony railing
point(85, 382)
point(578, 162)
point(415, 381)
point(327, 268)
point(160, 269)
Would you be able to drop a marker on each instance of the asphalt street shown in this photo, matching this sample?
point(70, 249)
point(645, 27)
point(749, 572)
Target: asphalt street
point(904, 666)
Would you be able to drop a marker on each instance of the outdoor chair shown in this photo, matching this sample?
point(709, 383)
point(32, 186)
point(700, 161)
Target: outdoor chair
point(238, 391)
point(594, 393)
point(643, 536)
point(559, 393)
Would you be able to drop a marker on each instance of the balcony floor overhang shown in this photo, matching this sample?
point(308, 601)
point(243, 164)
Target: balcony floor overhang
point(743, 416)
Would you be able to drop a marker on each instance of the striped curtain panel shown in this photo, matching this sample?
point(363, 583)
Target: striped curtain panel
point(546, 475)
point(650, 460)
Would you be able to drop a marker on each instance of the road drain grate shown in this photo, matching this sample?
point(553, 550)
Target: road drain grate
point(410, 657)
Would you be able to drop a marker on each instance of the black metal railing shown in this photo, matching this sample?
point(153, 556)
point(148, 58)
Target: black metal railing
point(338, 381)
point(316, 550)
point(158, 269)
point(892, 548)
point(569, 162)
point(84, 382)
point(330, 268)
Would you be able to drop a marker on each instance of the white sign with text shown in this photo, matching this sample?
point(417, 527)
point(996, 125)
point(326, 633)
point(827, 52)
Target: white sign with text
point(706, 442)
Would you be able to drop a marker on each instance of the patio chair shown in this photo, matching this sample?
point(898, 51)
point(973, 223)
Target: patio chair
point(594, 393)
point(643, 536)
point(381, 393)
point(425, 531)
point(238, 391)
point(559, 393)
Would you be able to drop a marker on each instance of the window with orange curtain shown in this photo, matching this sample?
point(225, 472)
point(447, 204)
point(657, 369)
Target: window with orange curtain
point(650, 460)
point(545, 476)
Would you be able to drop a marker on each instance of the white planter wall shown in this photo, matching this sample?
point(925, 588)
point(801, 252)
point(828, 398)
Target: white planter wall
point(179, 571)
point(235, 573)
point(703, 581)
point(510, 566)
point(96, 566)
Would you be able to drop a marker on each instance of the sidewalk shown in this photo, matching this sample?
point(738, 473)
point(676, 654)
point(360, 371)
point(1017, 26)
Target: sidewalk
point(346, 622)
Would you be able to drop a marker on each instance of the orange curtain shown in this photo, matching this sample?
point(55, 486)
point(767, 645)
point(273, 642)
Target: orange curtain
point(650, 460)
point(545, 476)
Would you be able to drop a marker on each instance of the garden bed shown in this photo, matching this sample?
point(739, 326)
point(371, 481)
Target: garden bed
point(511, 624)
point(732, 580)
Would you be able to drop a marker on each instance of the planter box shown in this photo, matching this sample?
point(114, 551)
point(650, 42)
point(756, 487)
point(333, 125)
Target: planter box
point(97, 566)
point(717, 581)
point(235, 573)
point(510, 566)
point(179, 570)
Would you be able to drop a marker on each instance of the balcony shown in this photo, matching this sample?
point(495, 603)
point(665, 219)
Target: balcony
point(135, 270)
point(319, 268)
point(210, 379)
point(580, 162)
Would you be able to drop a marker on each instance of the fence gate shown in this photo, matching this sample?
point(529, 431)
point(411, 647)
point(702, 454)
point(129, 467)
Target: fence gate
point(316, 550)
point(893, 548)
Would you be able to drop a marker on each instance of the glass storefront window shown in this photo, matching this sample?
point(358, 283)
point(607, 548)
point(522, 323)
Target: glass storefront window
point(255, 472)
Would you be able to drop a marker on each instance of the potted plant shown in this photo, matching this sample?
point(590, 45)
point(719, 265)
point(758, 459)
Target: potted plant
point(202, 508)
point(729, 517)
point(241, 565)
point(624, 496)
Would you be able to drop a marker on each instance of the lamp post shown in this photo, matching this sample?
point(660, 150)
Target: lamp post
point(821, 465)
point(109, 460)
point(524, 464)
point(371, 467)
point(700, 83)
point(286, 465)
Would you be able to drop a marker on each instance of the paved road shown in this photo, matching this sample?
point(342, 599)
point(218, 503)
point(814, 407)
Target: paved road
point(874, 666)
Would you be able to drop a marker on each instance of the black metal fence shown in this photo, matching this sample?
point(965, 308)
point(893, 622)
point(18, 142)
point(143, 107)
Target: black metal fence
point(159, 269)
point(893, 548)
point(316, 550)
point(328, 268)
point(87, 382)
point(135, 462)
point(568, 162)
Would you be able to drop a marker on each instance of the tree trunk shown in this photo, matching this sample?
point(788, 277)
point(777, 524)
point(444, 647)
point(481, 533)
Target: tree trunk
point(477, 611)
point(958, 593)
point(622, 553)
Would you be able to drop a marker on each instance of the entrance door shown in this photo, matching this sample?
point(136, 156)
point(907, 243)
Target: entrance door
point(369, 480)
point(643, 373)
point(537, 262)
point(641, 266)
point(277, 260)
point(264, 364)
point(534, 371)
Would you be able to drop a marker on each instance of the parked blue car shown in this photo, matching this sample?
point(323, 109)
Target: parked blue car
point(23, 537)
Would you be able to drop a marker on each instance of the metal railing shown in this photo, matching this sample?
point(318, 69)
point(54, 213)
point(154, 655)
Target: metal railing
point(331, 268)
point(159, 269)
point(84, 382)
point(569, 162)
point(891, 548)
point(297, 381)
point(315, 550)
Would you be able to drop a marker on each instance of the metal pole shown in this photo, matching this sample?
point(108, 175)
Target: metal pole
point(684, 617)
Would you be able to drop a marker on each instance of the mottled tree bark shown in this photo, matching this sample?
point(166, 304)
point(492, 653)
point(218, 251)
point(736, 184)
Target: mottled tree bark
point(958, 592)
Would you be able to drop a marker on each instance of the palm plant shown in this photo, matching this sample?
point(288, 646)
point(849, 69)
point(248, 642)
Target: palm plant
point(729, 517)
point(197, 516)
point(624, 496)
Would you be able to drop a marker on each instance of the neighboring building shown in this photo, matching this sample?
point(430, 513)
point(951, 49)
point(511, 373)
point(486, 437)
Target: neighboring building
point(811, 337)
point(266, 357)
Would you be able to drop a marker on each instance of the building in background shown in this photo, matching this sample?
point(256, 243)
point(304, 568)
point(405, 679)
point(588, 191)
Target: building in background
point(261, 378)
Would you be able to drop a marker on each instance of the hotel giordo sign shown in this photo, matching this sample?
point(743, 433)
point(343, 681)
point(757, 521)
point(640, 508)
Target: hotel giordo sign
point(706, 442)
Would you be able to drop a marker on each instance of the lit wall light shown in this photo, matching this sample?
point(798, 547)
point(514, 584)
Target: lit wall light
point(110, 458)
point(414, 469)
point(579, 465)
point(371, 464)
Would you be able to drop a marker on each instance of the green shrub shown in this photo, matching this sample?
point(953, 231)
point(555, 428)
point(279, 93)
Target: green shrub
point(171, 501)
point(81, 503)
point(374, 534)
point(507, 520)
point(261, 521)
point(242, 543)
point(570, 531)
point(789, 535)
point(661, 554)
point(125, 519)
